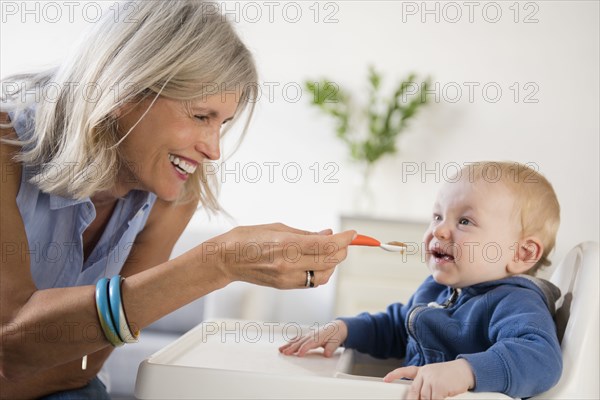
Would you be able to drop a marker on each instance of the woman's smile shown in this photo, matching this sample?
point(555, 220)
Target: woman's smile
point(183, 166)
point(170, 137)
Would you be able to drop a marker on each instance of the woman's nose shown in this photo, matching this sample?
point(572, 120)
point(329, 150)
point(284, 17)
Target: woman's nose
point(210, 145)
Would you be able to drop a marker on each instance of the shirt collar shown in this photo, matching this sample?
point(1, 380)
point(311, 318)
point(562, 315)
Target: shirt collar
point(58, 202)
point(140, 199)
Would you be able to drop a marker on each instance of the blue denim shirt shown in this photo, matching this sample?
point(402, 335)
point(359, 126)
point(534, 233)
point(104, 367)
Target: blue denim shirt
point(54, 227)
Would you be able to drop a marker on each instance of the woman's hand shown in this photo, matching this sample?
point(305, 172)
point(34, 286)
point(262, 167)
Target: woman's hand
point(436, 381)
point(275, 255)
point(329, 337)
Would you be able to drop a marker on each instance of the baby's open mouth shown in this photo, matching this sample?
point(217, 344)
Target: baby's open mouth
point(440, 255)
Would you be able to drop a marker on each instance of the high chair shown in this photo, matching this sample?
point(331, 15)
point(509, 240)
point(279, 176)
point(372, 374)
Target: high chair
point(204, 362)
point(577, 321)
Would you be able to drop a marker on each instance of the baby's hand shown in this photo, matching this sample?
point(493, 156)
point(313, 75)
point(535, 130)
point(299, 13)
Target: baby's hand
point(330, 337)
point(436, 381)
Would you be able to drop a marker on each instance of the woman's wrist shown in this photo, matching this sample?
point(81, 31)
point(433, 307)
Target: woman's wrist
point(184, 278)
point(207, 262)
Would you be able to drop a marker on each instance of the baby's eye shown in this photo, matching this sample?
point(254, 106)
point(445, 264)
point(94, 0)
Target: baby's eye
point(437, 217)
point(464, 221)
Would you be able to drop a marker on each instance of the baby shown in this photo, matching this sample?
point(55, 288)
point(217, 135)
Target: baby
point(481, 321)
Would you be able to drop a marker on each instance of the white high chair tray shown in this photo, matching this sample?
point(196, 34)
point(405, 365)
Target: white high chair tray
point(239, 359)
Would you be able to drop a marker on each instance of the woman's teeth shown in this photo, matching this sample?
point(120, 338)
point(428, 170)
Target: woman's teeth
point(181, 165)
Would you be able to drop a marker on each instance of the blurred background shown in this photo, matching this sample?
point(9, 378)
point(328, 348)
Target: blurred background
point(514, 81)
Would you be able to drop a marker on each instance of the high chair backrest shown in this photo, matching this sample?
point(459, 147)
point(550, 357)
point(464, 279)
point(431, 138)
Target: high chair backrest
point(577, 320)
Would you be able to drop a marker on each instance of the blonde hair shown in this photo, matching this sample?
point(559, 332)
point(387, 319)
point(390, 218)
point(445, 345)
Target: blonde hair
point(536, 200)
point(183, 50)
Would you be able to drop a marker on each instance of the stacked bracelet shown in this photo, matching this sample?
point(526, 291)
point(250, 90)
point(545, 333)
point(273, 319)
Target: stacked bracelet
point(104, 315)
point(117, 311)
point(111, 313)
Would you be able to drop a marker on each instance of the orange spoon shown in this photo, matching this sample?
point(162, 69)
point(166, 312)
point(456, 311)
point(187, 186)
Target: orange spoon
point(363, 240)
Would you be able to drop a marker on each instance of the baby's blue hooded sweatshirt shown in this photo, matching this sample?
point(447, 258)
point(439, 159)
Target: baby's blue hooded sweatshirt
point(504, 329)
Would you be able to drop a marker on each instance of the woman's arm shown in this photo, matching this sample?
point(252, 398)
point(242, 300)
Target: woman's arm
point(154, 244)
point(151, 250)
point(17, 289)
point(42, 329)
point(28, 321)
point(63, 377)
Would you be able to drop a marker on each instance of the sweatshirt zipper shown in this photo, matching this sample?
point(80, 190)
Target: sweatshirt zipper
point(416, 310)
point(451, 299)
point(411, 319)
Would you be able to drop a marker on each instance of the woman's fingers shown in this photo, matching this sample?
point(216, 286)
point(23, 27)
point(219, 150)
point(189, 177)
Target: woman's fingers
point(279, 227)
point(277, 255)
point(323, 244)
point(322, 277)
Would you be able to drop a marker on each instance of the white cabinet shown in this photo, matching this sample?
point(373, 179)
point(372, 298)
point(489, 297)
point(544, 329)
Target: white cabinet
point(371, 278)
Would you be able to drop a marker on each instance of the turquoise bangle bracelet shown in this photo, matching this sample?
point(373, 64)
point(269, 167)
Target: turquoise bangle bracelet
point(114, 300)
point(118, 313)
point(104, 315)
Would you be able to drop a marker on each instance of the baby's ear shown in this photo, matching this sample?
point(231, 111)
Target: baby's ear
point(528, 253)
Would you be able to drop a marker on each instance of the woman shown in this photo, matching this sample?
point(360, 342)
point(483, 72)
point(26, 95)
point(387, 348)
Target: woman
point(101, 180)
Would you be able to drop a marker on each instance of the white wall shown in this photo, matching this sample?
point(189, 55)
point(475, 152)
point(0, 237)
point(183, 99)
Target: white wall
point(558, 55)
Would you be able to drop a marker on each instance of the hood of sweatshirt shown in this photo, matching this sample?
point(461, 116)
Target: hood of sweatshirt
point(546, 289)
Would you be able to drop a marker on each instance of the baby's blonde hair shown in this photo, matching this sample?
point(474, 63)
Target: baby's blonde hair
point(536, 200)
point(183, 50)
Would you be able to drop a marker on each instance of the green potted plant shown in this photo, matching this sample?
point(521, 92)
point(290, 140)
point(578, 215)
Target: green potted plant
point(370, 131)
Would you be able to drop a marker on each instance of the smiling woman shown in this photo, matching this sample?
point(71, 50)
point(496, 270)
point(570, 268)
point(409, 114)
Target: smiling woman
point(186, 53)
point(101, 178)
point(171, 140)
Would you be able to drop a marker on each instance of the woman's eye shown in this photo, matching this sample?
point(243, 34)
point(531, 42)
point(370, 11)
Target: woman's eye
point(202, 118)
point(464, 221)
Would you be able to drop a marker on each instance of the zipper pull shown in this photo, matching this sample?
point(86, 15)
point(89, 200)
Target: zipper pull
point(449, 301)
point(452, 299)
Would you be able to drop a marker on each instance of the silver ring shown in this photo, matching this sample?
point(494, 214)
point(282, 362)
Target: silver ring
point(310, 279)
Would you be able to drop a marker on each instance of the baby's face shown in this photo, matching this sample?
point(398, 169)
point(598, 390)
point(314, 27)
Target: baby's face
point(473, 233)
